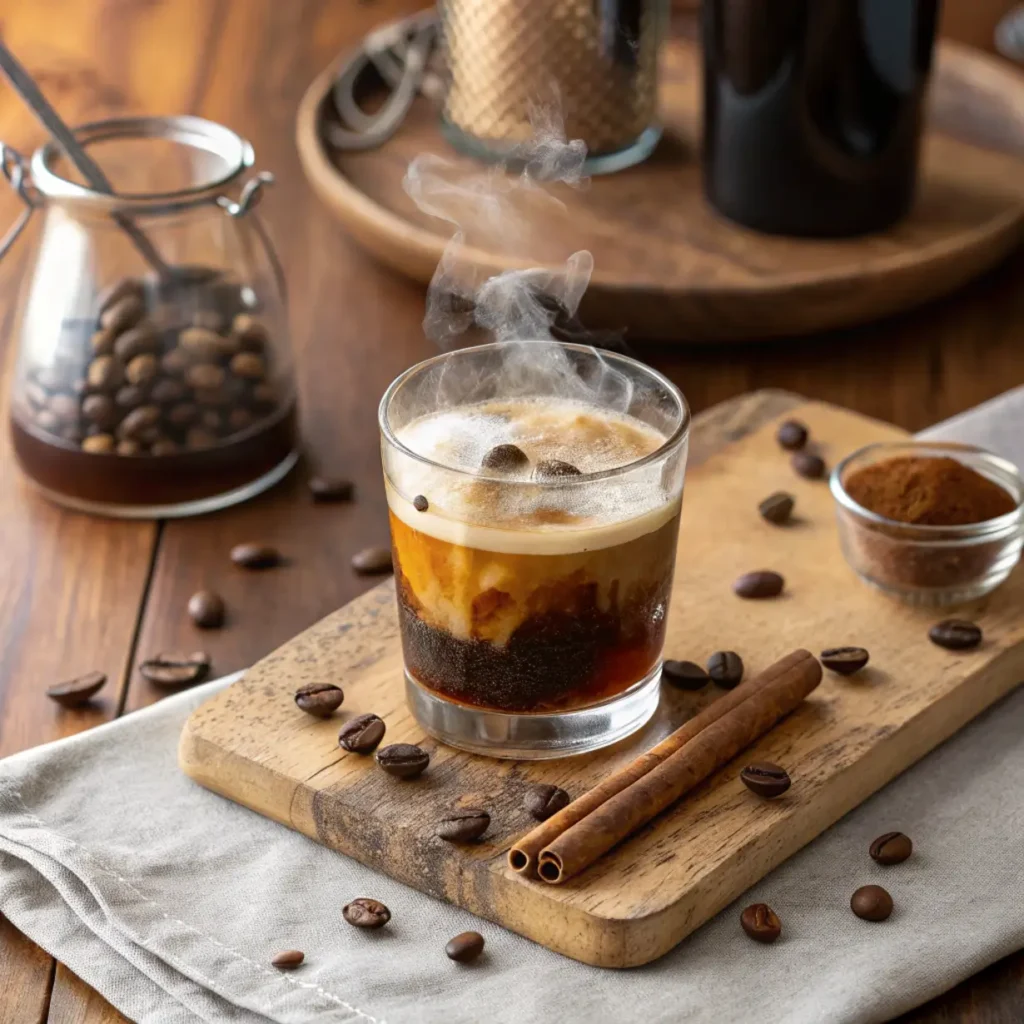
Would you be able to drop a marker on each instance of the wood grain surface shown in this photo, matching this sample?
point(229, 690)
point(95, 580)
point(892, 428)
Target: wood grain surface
point(355, 325)
point(251, 744)
point(665, 264)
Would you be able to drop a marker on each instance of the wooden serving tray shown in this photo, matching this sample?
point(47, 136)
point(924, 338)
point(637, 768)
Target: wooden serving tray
point(669, 268)
point(251, 744)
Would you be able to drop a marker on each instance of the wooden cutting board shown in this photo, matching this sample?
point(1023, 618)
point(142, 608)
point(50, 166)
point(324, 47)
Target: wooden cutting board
point(251, 744)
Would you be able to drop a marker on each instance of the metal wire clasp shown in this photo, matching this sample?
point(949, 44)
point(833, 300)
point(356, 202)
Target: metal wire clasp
point(12, 165)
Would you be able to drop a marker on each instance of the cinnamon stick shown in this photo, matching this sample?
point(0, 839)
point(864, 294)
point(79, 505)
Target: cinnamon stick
point(523, 856)
point(701, 748)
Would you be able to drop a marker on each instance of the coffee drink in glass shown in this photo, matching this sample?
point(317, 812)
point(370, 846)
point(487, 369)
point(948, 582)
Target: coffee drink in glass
point(534, 492)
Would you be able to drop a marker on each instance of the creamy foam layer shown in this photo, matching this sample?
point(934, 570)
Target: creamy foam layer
point(512, 512)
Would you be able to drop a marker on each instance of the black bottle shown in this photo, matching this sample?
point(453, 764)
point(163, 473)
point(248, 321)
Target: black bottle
point(813, 111)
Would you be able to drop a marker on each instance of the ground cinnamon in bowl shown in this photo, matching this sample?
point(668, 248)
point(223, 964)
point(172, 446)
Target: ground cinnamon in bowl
point(928, 491)
point(931, 523)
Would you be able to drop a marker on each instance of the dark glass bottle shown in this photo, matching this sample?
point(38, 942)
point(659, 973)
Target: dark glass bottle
point(813, 111)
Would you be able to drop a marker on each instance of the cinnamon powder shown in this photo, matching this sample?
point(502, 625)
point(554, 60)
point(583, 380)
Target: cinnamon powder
point(928, 491)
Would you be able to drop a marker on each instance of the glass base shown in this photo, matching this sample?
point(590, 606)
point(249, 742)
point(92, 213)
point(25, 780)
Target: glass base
point(492, 151)
point(534, 737)
point(179, 509)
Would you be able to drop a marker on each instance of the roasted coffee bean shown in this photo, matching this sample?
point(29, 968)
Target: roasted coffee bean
point(551, 469)
point(64, 407)
point(210, 319)
point(141, 370)
point(182, 414)
point(463, 825)
point(167, 390)
point(250, 331)
point(175, 362)
point(204, 377)
point(765, 779)
point(326, 489)
point(139, 421)
point(544, 800)
point(98, 444)
point(164, 446)
point(891, 848)
point(844, 660)
point(362, 734)
point(403, 760)
point(288, 959)
point(76, 692)
point(366, 913)
point(202, 345)
point(210, 419)
point(464, 947)
point(102, 343)
point(199, 437)
point(131, 396)
point(777, 508)
point(264, 397)
point(871, 903)
point(808, 465)
point(122, 314)
point(142, 340)
point(420, 503)
point(684, 675)
point(124, 288)
point(763, 583)
point(104, 374)
point(46, 420)
point(505, 458)
point(255, 556)
point(725, 669)
point(792, 435)
point(239, 419)
point(176, 669)
point(36, 394)
point(248, 365)
point(372, 561)
point(128, 447)
point(215, 398)
point(206, 609)
point(100, 409)
point(761, 923)
point(955, 634)
point(319, 699)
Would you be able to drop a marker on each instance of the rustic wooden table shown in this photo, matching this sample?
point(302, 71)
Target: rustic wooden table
point(78, 594)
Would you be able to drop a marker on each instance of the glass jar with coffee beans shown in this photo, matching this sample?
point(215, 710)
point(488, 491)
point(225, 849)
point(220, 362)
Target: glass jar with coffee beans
point(154, 375)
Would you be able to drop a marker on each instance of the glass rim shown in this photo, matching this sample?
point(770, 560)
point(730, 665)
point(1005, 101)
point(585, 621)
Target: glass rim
point(674, 440)
point(962, 531)
point(185, 129)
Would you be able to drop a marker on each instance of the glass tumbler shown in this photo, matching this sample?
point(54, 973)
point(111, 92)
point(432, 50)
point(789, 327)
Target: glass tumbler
point(532, 600)
point(154, 374)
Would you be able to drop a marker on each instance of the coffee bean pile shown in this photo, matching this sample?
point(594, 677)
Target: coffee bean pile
point(167, 368)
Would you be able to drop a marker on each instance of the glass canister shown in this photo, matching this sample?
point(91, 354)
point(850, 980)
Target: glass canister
point(596, 61)
point(154, 374)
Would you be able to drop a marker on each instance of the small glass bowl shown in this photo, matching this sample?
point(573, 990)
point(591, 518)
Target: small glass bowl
point(930, 565)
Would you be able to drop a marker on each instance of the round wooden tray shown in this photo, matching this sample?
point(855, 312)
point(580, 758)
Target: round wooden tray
point(669, 268)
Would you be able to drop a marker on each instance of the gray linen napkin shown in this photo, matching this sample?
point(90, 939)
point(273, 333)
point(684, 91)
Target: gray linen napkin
point(170, 900)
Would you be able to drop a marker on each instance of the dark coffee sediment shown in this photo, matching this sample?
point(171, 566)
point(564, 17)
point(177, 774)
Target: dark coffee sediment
point(533, 595)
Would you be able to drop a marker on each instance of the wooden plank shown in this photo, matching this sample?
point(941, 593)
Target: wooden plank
point(847, 741)
point(25, 976)
point(74, 1002)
